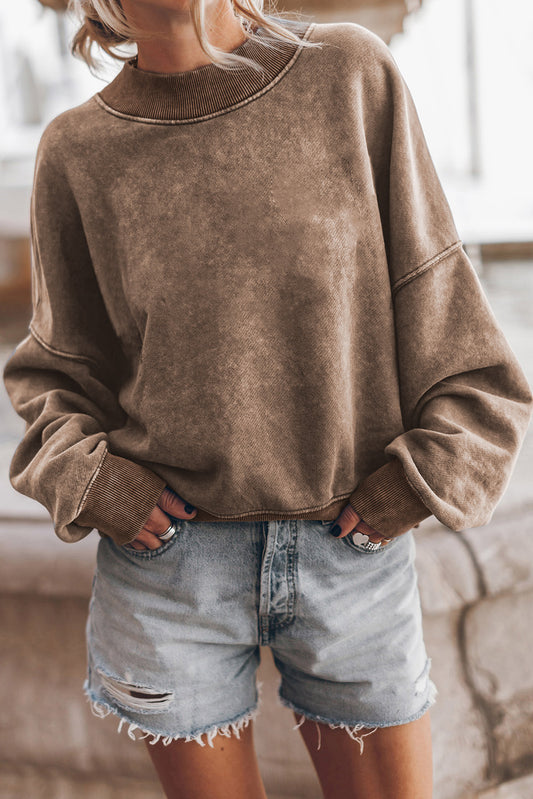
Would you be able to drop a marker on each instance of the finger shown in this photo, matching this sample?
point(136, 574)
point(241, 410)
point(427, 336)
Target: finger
point(172, 503)
point(146, 540)
point(366, 529)
point(150, 540)
point(345, 522)
point(373, 535)
point(158, 521)
point(376, 538)
point(135, 544)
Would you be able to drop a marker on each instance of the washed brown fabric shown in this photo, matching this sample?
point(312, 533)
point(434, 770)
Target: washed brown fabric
point(250, 287)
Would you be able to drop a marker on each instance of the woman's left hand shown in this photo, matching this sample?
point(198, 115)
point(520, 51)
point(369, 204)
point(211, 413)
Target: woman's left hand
point(349, 521)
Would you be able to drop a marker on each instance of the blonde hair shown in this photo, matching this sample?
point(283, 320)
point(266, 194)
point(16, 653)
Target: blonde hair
point(104, 23)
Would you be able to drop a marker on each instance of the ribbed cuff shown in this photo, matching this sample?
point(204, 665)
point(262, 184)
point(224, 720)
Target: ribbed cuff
point(121, 498)
point(386, 501)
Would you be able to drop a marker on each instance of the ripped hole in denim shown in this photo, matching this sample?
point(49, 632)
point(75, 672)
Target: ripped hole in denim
point(135, 697)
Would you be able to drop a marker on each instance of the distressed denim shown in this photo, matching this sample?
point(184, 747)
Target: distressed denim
point(174, 634)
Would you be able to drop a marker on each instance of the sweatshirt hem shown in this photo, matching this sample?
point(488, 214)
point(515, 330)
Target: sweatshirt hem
point(328, 511)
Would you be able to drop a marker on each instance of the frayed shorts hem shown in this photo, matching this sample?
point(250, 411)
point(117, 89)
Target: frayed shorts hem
point(101, 708)
point(354, 728)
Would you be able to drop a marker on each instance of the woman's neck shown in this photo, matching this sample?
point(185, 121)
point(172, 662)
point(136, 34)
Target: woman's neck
point(174, 46)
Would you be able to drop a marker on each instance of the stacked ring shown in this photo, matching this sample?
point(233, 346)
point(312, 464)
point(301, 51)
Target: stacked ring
point(169, 532)
point(371, 545)
point(375, 545)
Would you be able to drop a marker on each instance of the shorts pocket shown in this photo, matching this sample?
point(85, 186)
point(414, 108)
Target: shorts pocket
point(150, 554)
point(356, 540)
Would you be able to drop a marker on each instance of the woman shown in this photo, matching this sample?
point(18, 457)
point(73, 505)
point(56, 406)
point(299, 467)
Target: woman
point(254, 324)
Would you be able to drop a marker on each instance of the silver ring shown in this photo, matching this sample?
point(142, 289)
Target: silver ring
point(371, 545)
point(169, 532)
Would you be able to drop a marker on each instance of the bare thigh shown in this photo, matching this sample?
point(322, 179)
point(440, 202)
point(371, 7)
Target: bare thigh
point(229, 770)
point(397, 762)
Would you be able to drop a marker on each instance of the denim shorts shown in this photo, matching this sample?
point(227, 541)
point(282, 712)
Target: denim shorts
point(174, 634)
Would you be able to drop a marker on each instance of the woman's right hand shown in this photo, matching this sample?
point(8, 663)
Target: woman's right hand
point(158, 521)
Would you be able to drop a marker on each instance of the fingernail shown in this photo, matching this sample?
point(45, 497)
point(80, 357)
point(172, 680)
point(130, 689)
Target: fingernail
point(189, 508)
point(336, 530)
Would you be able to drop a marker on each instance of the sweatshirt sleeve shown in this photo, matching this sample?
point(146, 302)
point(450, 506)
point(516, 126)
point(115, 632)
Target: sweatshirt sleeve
point(63, 378)
point(465, 400)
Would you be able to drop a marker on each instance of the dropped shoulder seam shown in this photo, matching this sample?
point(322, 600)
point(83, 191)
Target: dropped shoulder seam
point(62, 353)
point(402, 281)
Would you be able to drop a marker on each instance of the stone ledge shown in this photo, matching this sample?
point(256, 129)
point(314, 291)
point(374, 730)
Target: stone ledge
point(517, 789)
point(504, 552)
point(35, 561)
point(45, 782)
point(499, 639)
point(498, 645)
point(447, 577)
point(459, 743)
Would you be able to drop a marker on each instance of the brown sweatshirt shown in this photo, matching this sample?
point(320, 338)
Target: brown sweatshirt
point(249, 286)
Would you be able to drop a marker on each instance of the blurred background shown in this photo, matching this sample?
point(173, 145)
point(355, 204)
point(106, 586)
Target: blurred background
point(469, 65)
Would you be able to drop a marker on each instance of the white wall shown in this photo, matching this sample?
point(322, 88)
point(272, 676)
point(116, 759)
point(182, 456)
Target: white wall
point(432, 55)
point(37, 81)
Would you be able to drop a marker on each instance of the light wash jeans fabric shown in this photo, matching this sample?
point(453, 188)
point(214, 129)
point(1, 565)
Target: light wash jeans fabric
point(173, 634)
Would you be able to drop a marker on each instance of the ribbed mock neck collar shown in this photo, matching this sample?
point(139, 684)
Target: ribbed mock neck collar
point(206, 90)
